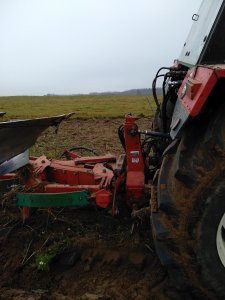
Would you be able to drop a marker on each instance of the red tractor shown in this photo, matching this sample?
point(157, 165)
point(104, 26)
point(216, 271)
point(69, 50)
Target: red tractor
point(182, 157)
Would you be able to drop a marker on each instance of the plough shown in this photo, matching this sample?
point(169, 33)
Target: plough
point(79, 181)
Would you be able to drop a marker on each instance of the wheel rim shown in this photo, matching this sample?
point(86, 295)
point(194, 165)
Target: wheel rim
point(220, 240)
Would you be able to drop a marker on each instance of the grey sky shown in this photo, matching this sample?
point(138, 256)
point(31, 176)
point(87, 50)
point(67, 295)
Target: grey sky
point(82, 46)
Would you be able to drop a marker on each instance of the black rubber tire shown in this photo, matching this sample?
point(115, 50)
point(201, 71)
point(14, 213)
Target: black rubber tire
point(191, 198)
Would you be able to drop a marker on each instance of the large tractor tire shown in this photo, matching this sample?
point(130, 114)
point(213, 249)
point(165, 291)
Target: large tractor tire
point(189, 227)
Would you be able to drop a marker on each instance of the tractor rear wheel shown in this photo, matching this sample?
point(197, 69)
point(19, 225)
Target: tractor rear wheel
point(189, 227)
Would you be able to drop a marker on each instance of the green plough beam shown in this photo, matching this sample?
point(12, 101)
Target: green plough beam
point(53, 199)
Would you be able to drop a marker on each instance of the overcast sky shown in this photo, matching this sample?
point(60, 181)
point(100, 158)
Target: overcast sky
point(82, 46)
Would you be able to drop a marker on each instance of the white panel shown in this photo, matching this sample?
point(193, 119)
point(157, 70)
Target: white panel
point(199, 31)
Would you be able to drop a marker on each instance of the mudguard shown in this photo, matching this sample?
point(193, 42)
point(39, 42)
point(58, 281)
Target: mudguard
point(193, 94)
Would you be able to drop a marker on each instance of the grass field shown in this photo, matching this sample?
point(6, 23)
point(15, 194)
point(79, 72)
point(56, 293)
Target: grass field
point(83, 106)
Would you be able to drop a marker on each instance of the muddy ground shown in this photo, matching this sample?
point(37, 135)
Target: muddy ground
point(80, 253)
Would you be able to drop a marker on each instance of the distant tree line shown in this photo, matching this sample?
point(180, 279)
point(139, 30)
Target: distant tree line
point(133, 92)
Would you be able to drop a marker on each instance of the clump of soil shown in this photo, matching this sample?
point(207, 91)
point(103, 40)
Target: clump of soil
point(83, 254)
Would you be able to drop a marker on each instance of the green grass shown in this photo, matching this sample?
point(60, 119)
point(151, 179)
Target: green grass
point(83, 106)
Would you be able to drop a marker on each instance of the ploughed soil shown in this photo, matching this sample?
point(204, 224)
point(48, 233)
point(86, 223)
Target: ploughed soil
point(79, 253)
